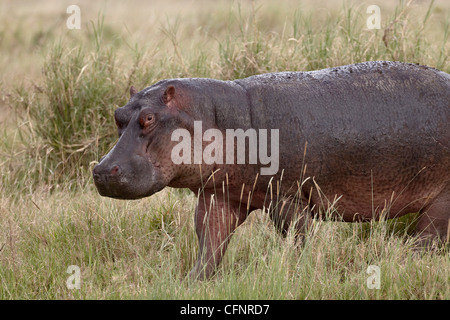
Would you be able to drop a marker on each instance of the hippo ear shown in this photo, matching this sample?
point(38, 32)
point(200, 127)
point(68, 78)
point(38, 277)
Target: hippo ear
point(133, 91)
point(169, 94)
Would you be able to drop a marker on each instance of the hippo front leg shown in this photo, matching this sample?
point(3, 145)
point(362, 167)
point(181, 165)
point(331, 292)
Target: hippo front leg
point(215, 221)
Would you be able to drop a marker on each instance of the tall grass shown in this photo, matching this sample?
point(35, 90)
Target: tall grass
point(126, 250)
point(70, 114)
point(144, 249)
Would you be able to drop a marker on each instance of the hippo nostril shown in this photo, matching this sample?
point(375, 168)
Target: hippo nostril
point(95, 172)
point(114, 170)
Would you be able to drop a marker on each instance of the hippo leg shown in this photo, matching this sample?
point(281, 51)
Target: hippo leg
point(215, 221)
point(434, 220)
point(291, 211)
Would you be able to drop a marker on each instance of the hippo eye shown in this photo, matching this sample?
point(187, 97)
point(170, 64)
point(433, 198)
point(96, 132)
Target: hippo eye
point(146, 120)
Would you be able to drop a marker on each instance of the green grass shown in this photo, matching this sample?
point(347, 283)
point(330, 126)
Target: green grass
point(144, 249)
point(58, 91)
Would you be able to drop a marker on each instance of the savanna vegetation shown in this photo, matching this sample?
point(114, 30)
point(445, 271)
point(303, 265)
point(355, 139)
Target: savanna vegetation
point(59, 88)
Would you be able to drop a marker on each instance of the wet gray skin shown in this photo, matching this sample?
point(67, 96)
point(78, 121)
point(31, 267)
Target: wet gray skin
point(377, 137)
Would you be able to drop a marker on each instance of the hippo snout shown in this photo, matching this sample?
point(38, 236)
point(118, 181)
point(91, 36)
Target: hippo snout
point(131, 179)
point(108, 179)
point(104, 173)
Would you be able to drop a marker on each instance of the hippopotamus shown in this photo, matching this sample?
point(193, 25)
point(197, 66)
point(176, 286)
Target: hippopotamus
point(354, 143)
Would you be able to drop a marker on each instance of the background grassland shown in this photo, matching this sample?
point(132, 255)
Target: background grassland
point(58, 91)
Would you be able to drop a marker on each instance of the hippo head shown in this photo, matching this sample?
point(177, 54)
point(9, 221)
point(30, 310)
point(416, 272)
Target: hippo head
point(140, 165)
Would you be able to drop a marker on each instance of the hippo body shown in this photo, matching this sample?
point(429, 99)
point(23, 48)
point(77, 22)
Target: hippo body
point(368, 140)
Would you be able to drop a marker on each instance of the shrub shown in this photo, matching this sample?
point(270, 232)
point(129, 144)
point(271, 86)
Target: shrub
point(71, 112)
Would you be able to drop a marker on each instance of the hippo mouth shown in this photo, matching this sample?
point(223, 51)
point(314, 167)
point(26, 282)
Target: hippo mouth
point(127, 181)
point(117, 192)
point(122, 189)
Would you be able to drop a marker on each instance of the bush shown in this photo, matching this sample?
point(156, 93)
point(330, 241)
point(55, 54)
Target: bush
point(71, 112)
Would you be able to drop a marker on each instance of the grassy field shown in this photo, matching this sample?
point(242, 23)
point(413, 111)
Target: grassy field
point(59, 88)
